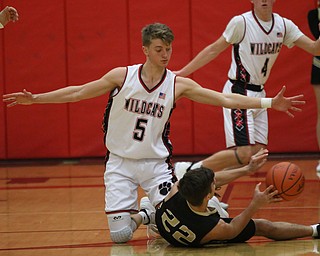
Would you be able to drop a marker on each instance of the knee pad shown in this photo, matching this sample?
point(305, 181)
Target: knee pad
point(122, 235)
point(121, 227)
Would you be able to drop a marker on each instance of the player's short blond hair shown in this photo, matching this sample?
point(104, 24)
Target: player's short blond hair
point(156, 31)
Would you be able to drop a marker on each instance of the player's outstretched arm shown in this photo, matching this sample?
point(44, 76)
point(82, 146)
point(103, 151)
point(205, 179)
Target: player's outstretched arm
point(8, 14)
point(224, 231)
point(205, 56)
point(257, 160)
point(188, 88)
point(107, 83)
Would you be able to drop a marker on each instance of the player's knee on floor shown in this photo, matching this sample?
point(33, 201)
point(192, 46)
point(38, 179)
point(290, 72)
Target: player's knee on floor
point(121, 227)
point(121, 236)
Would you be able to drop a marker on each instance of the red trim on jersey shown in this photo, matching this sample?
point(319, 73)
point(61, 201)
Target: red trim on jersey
point(262, 28)
point(245, 29)
point(120, 211)
point(156, 86)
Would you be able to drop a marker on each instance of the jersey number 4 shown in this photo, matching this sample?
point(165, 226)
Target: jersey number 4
point(264, 69)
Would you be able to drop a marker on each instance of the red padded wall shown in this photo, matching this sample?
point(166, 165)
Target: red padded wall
point(35, 59)
point(209, 135)
point(2, 107)
point(73, 42)
point(96, 43)
point(293, 69)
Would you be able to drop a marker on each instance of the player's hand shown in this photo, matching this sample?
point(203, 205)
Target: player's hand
point(287, 104)
point(8, 14)
point(261, 198)
point(257, 160)
point(23, 98)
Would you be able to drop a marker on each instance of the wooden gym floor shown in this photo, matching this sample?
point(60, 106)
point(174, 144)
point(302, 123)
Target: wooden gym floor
point(57, 208)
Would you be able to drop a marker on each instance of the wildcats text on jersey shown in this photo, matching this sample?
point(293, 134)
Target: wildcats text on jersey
point(143, 107)
point(265, 48)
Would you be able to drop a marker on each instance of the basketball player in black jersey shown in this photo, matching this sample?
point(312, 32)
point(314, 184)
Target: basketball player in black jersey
point(184, 218)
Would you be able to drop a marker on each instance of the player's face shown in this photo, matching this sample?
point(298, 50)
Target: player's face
point(263, 4)
point(158, 52)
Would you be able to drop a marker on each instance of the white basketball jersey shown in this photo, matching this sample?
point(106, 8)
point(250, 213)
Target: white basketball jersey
point(136, 120)
point(254, 56)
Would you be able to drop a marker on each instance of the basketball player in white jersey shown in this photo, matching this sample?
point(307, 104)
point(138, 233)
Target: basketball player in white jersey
point(314, 25)
point(8, 14)
point(256, 37)
point(136, 124)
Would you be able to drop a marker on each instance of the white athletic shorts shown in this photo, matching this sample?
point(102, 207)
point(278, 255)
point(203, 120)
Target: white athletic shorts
point(245, 127)
point(123, 176)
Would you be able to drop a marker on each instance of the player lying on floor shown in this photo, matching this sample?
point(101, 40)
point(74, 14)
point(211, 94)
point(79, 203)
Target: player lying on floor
point(184, 218)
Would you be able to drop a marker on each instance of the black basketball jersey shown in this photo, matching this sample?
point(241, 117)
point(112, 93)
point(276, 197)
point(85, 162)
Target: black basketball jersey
point(179, 225)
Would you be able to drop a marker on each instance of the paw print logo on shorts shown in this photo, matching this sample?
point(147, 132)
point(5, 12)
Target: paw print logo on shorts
point(164, 188)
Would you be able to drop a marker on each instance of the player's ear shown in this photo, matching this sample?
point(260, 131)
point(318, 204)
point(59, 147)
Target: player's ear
point(145, 50)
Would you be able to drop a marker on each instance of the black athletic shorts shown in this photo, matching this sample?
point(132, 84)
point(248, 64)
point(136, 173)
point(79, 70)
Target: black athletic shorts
point(315, 73)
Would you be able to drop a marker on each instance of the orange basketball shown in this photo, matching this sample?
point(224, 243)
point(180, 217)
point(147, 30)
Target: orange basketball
point(287, 178)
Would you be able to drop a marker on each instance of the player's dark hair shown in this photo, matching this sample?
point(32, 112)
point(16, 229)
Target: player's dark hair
point(156, 31)
point(195, 185)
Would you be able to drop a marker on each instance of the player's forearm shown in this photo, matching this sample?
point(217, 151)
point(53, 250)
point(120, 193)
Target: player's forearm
point(243, 102)
point(64, 95)
point(203, 58)
point(225, 177)
point(240, 221)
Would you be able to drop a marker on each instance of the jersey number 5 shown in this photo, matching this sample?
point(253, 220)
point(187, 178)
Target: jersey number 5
point(140, 129)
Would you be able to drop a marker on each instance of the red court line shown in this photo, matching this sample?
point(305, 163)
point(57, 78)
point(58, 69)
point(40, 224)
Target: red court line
point(56, 177)
point(141, 242)
point(52, 187)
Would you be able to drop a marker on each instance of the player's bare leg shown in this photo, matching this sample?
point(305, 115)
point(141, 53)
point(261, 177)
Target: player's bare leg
point(284, 230)
point(317, 93)
point(230, 158)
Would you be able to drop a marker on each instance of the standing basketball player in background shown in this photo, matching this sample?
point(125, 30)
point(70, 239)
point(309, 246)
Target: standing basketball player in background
point(136, 125)
point(8, 14)
point(314, 25)
point(256, 37)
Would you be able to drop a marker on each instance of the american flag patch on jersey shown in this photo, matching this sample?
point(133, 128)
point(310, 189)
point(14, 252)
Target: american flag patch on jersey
point(162, 95)
point(279, 34)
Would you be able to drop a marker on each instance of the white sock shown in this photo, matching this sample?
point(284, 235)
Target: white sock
point(314, 228)
point(144, 216)
point(196, 165)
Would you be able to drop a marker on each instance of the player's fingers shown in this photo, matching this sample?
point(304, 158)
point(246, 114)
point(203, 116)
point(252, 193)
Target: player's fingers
point(298, 102)
point(12, 104)
point(283, 89)
point(289, 114)
point(296, 109)
point(296, 97)
point(262, 163)
point(9, 95)
point(9, 99)
point(257, 188)
point(276, 199)
point(268, 189)
point(274, 193)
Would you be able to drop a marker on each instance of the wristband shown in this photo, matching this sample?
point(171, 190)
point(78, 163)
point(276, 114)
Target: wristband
point(266, 102)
